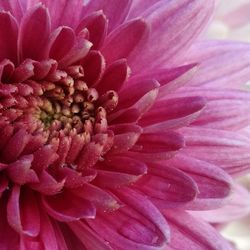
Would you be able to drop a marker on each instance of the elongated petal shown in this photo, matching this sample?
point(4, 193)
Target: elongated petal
point(8, 34)
point(190, 233)
point(138, 225)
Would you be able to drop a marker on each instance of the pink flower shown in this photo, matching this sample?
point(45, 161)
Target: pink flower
point(115, 123)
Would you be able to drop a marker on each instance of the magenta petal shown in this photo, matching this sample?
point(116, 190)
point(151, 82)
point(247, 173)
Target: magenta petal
point(59, 208)
point(21, 215)
point(124, 40)
point(8, 37)
point(34, 33)
point(14, 7)
point(188, 233)
point(137, 225)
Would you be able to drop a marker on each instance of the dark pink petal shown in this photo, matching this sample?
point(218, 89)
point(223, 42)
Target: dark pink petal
point(137, 110)
point(88, 236)
point(20, 172)
point(74, 179)
point(47, 184)
point(188, 233)
point(14, 147)
point(43, 157)
point(34, 33)
point(22, 212)
point(24, 71)
point(3, 184)
point(78, 52)
point(61, 42)
point(6, 70)
point(165, 18)
point(124, 40)
point(214, 184)
point(97, 24)
point(167, 186)
point(94, 66)
point(8, 37)
point(9, 238)
point(64, 12)
point(137, 225)
point(59, 207)
point(114, 77)
point(115, 12)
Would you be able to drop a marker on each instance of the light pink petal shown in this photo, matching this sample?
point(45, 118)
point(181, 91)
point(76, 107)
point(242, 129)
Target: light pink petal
point(167, 186)
point(124, 40)
point(165, 19)
point(214, 184)
point(34, 33)
point(97, 24)
point(222, 66)
point(8, 37)
point(137, 225)
point(115, 12)
point(59, 207)
point(187, 233)
point(22, 213)
point(237, 206)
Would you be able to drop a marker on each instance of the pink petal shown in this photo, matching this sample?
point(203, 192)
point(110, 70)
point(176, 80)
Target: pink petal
point(96, 23)
point(124, 40)
point(8, 34)
point(34, 33)
point(14, 7)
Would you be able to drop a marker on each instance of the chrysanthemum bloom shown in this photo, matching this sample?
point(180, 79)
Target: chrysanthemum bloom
point(113, 126)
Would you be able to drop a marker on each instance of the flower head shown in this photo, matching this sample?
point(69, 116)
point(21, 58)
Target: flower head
point(110, 129)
